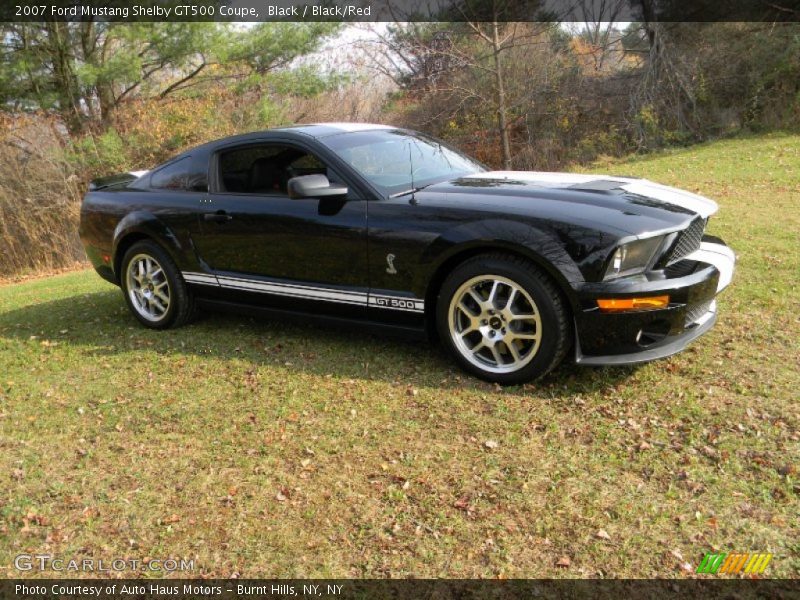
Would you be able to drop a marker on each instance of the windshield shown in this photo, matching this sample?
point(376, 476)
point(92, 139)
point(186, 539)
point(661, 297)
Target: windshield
point(398, 161)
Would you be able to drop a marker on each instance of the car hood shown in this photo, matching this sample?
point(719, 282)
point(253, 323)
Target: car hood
point(588, 182)
point(639, 205)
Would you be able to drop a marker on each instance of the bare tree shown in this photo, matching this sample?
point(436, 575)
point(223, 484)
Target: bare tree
point(465, 65)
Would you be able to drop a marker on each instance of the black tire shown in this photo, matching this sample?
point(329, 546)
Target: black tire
point(543, 354)
point(180, 307)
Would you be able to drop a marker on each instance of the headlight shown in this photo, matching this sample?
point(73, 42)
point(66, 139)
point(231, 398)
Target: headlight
point(633, 257)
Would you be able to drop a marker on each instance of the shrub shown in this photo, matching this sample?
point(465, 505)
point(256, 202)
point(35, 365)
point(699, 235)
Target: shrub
point(39, 197)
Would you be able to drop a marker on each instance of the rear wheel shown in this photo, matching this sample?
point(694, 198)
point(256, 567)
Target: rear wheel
point(503, 319)
point(153, 287)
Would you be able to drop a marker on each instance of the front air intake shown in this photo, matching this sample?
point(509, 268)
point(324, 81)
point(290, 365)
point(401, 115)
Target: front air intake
point(688, 241)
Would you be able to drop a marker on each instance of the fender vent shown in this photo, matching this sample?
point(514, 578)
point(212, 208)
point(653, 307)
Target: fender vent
point(688, 241)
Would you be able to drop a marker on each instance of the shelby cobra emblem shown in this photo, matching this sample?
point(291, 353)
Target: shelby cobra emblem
point(510, 271)
point(390, 261)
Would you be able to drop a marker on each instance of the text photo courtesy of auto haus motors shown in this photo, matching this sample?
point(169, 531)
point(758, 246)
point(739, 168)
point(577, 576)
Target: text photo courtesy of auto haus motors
point(382, 300)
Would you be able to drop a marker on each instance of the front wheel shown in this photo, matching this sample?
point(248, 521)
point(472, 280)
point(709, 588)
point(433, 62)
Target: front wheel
point(153, 287)
point(503, 319)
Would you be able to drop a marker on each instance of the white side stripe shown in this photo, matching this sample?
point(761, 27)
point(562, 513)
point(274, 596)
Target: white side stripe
point(200, 278)
point(293, 291)
point(290, 289)
point(308, 292)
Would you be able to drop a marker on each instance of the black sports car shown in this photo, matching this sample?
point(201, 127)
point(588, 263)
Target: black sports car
point(352, 222)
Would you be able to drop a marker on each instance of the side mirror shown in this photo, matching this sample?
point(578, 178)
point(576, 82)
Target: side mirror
point(313, 186)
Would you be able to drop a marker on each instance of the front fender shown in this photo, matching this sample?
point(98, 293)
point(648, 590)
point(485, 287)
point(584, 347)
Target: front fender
point(540, 246)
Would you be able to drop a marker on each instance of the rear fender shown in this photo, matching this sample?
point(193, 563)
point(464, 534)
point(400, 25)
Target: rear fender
point(141, 224)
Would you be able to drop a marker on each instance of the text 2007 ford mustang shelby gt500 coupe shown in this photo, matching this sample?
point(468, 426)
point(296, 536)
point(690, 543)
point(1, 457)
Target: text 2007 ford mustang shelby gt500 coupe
point(511, 270)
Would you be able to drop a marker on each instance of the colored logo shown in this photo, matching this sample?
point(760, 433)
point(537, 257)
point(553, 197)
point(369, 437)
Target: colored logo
point(734, 563)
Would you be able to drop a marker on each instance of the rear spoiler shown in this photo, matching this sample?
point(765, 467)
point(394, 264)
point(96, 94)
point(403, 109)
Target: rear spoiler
point(112, 181)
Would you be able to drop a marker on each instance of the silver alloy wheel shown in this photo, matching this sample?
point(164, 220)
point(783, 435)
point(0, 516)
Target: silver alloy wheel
point(148, 287)
point(495, 324)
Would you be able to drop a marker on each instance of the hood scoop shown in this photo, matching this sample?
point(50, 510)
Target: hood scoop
point(599, 185)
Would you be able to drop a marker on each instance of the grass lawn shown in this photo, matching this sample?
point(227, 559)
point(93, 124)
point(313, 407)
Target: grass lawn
point(267, 449)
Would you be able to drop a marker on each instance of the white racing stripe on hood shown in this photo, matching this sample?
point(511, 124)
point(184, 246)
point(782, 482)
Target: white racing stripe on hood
point(703, 206)
point(670, 195)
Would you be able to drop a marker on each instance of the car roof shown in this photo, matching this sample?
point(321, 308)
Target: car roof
point(320, 130)
point(313, 130)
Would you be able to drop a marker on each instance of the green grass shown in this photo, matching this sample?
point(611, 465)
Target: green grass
point(266, 449)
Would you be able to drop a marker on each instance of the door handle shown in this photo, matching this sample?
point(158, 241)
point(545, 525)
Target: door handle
point(218, 217)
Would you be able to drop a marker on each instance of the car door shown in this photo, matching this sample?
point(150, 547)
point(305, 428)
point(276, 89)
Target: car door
point(265, 248)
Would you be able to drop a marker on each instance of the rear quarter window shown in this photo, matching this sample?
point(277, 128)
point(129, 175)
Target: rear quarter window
point(174, 176)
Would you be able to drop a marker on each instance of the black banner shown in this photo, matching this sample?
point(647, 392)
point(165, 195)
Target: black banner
point(402, 10)
point(345, 589)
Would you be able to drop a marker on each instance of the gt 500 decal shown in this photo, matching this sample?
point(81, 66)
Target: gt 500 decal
point(306, 292)
point(409, 304)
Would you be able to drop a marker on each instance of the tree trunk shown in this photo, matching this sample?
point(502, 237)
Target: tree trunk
point(105, 95)
point(64, 79)
point(502, 124)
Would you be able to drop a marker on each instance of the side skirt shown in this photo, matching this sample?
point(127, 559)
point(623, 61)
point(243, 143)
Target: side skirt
point(374, 327)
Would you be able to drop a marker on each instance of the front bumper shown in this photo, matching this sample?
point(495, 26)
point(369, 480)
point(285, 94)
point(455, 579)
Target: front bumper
point(616, 338)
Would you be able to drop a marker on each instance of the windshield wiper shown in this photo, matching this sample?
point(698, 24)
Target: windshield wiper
point(406, 192)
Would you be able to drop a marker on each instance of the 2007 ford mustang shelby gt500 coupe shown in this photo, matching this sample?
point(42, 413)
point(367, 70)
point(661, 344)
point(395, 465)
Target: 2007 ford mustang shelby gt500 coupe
point(510, 270)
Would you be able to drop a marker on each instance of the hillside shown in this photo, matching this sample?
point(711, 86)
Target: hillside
point(260, 448)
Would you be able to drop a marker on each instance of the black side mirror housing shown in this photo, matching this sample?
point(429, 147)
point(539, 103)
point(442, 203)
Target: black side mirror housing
point(313, 186)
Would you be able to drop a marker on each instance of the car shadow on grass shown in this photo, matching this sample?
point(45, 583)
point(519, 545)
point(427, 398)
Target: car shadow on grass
point(100, 325)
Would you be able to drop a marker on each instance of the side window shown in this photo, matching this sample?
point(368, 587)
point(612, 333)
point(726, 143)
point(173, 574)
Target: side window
point(307, 164)
point(174, 176)
point(266, 169)
point(251, 170)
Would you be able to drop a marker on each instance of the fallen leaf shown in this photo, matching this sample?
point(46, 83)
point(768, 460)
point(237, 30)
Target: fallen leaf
point(563, 562)
point(602, 534)
point(709, 452)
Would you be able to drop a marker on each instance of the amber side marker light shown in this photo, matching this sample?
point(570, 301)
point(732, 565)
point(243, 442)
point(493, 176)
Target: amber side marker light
point(620, 304)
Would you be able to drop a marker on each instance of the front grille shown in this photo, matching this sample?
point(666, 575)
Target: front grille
point(688, 241)
point(693, 313)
